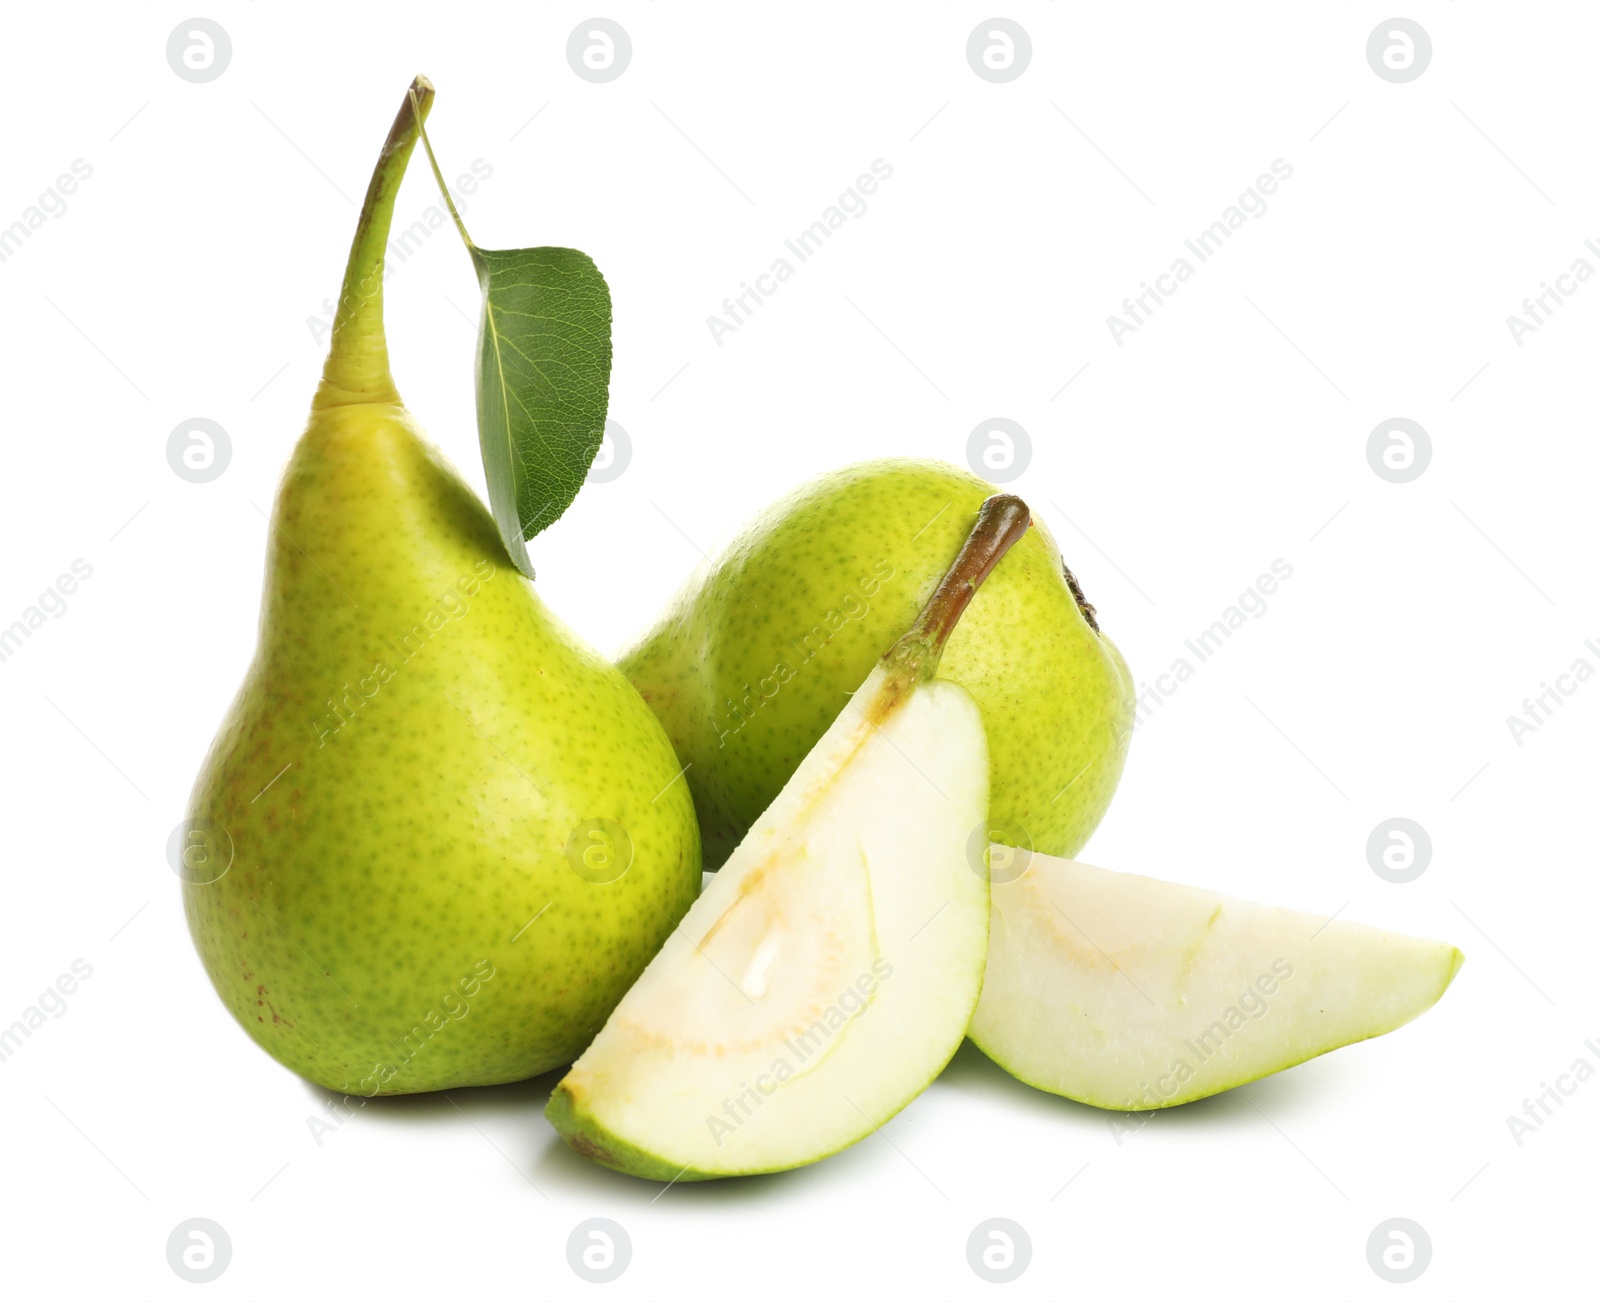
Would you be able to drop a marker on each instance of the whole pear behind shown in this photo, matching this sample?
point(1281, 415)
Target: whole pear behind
point(758, 652)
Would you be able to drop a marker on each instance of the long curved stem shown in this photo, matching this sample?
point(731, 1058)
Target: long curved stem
point(357, 369)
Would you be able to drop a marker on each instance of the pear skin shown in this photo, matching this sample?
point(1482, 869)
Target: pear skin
point(749, 663)
point(453, 833)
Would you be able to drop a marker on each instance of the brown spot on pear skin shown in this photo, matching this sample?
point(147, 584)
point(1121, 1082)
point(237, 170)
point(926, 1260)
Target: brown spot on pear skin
point(1077, 595)
point(583, 1146)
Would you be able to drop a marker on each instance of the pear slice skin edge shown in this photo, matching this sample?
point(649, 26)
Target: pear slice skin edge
point(1132, 994)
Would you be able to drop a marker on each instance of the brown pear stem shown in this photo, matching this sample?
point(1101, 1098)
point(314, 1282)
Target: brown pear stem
point(1002, 520)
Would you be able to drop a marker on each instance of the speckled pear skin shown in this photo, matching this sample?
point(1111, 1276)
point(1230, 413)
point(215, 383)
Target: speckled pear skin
point(414, 744)
point(757, 653)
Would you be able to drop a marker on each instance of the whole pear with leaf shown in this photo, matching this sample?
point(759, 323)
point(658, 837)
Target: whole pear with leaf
point(437, 836)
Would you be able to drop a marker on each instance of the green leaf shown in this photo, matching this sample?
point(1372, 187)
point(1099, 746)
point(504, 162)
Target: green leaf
point(544, 361)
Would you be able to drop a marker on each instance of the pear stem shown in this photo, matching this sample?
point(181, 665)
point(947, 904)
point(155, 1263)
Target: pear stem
point(438, 176)
point(1002, 520)
point(357, 369)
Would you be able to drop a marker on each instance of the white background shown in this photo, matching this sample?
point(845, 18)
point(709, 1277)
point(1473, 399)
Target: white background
point(1229, 431)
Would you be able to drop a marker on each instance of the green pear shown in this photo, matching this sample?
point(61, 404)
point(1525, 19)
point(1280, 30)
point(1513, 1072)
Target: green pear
point(437, 837)
point(1133, 994)
point(829, 970)
point(754, 657)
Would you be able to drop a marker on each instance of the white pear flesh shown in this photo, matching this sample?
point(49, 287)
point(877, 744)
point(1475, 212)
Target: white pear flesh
point(1133, 994)
point(826, 974)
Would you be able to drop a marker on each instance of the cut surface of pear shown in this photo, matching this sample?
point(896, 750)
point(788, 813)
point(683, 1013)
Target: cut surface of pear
point(824, 977)
point(1130, 993)
point(828, 973)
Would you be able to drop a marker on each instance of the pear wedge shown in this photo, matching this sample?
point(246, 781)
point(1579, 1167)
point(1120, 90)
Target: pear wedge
point(828, 972)
point(1132, 994)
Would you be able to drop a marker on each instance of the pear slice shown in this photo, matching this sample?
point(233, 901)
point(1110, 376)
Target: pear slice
point(1130, 993)
point(829, 971)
